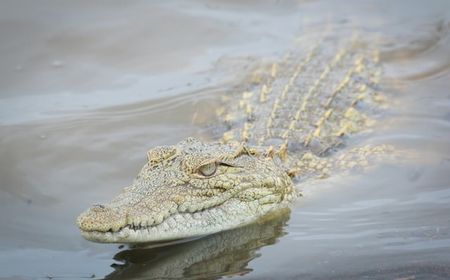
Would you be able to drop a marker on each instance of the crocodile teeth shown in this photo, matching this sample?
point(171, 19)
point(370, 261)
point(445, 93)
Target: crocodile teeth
point(150, 222)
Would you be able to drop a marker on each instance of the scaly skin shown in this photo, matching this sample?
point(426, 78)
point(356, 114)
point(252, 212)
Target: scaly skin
point(289, 124)
point(171, 198)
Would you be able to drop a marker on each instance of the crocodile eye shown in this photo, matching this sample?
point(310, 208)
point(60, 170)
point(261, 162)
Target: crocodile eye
point(208, 169)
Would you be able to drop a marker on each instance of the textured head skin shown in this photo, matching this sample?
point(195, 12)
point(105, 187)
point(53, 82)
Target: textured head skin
point(188, 190)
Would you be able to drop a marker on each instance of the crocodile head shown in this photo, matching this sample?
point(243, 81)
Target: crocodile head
point(188, 190)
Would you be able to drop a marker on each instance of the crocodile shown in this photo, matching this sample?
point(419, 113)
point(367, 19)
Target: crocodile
point(289, 121)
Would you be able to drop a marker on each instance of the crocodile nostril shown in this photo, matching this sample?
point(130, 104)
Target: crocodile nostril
point(101, 218)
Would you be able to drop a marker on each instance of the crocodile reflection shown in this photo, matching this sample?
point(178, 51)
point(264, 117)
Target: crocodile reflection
point(223, 254)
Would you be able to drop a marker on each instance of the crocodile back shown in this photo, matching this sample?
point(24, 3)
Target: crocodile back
point(311, 99)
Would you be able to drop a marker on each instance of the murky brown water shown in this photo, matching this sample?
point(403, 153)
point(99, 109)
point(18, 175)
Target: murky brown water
point(85, 90)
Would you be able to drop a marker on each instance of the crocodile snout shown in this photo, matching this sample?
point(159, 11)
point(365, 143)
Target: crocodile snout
point(101, 218)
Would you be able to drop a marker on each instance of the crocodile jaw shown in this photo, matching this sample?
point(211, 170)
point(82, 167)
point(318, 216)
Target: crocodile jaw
point(231, 214)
